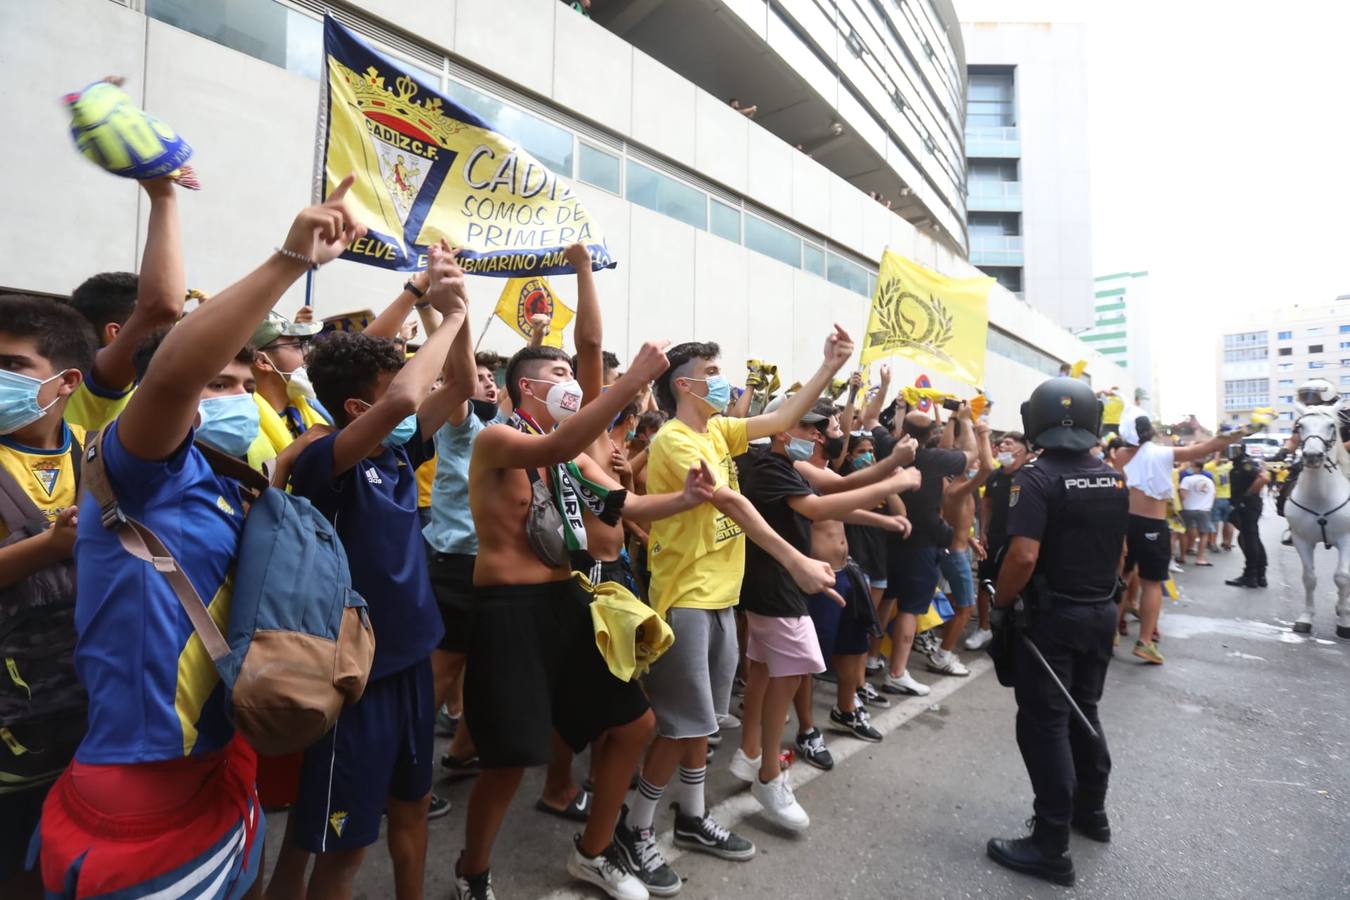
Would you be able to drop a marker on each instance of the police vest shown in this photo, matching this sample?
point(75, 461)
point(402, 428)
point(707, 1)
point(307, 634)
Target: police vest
point(1084, 534)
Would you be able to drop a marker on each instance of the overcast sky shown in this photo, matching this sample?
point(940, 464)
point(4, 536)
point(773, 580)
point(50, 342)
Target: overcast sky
point(1220, 135)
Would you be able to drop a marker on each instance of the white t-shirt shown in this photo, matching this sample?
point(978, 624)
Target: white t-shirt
point(1151, 471)
point(1198, 492)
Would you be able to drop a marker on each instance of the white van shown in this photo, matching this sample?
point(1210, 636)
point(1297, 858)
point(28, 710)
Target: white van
point(1264, 446)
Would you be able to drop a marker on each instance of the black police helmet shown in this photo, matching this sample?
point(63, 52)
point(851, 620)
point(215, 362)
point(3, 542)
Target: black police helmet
point(1062, 414)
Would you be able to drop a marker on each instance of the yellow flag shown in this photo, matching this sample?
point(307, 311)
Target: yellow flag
point(940, 322)
point(1078, 369)
point(524, 298)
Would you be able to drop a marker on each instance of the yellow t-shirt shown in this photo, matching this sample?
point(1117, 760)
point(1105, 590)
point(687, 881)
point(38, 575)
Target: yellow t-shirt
point(697, 558)
point(426, 475)
point(46, 476)
point(1220, 472)
point(92, 407)
point(1112, 407)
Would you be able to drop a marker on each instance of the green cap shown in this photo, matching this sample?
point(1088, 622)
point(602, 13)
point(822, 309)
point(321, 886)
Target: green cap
point(277, 326)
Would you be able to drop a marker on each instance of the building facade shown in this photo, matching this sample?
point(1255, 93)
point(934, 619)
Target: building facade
point(1123, 330)
point(722, 229)
point(1263, 362)
point(1028, 198)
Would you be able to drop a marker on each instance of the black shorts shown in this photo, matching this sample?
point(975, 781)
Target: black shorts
point(913, 576)
point(867, 546)
point(533, 667)
point(452, 583)
point(1148, 545)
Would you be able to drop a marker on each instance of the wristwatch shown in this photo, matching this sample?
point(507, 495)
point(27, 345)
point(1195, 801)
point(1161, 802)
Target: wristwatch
point(413, 289)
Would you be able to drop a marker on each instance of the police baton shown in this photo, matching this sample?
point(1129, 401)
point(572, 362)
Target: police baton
point(1036, 652)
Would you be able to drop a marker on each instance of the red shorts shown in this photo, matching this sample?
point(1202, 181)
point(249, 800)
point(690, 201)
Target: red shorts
point(176, 828)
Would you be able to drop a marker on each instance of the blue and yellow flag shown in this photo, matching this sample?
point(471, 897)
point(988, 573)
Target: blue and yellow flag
point(524, 298)
point(940, 322)
point(426, 169)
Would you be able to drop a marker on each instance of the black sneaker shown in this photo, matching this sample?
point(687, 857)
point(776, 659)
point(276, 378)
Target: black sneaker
point(440, 806)
point(472, 887)
point(811, 747)
point(869, 695)
point(707, 835)
point(460, 768)
point(855, 723)
point(827, 676)
point(644, 858)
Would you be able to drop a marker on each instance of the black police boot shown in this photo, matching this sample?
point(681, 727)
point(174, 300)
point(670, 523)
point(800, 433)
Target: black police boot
point(1261, 579)
point(1089, 817)
point(1242, 581)
point(1043, 854)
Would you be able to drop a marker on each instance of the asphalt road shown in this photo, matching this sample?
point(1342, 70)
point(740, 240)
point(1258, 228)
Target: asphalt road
point(1231, 778)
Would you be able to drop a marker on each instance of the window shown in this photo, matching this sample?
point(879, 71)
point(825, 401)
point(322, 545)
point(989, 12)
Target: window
point(546, 142)
point(1018, 350)
point(1345, 379)
point(1316, 364)
point(848, 275)
point(1248, 354)
point(1285, 367)
point(1345, 363)
point(659, 192)
point(1244, 339)
point(1286, 336)
point(1286, 351)
point(1314, 331)
point(1314, 348)
point(1286, 398)
point(771, 240)
point(262, 29)
point(1345, 345)
point(725, 221)
point(1286, 382)
point(597, 167)
point(990, 103)
point(813, 259)
point(1246, 393)
point(1344, 329)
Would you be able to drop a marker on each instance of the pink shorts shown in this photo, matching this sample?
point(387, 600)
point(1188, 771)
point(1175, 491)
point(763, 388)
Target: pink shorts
point(788, 646)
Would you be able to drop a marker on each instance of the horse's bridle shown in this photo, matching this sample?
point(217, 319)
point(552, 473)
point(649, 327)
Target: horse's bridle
point(1328, 463)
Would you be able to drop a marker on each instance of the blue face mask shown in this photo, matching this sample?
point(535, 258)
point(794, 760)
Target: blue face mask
point(19, 400)
point(863, 460)
point(719, 392)
point(800, 448)
point(402, 432)
point(630, 436)
point(229, 424)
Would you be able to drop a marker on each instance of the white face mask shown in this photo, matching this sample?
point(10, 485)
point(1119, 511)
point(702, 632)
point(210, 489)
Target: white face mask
point(563, 399)
point(298, 384)
point(1005, 459)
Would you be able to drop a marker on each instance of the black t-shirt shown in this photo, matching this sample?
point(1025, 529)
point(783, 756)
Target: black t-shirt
point(923, 505)
point(997, 490)
point(1244, 475)
point(1077, 507)
point(768, 480)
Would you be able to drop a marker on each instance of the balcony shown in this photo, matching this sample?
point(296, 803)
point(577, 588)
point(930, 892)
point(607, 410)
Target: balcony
point(993, 142)
point(996, 249)
point(994, 196)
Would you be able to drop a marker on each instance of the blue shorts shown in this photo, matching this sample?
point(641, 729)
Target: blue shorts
point(955, 567)
point(1218, 514)
point(838, 631)
point(912, 576)
point(381, 747)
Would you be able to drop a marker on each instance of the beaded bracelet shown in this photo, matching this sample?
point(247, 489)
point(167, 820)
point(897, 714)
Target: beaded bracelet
point(298, 256)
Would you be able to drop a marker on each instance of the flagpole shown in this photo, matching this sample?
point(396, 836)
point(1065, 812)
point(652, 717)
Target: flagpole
point(483, 333)
point(309, 288)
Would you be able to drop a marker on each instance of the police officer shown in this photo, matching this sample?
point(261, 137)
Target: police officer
point(1066, 523)
point(1247, 482)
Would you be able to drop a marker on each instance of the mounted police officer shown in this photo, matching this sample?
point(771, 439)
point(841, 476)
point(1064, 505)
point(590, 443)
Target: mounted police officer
point(1066, 522)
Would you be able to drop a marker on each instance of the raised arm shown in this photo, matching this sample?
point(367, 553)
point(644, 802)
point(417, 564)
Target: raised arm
point(161, 289)
point(409, 390)
point(589, 328)
point(161, 412)
point(538, 330)
point(813, 576)
point(390, 321)
point(850, 413)
point(984, 458)
point(828, 482)
point(502, 447)
point(1205, 448)
point(838, 349)
point(832, 506)
point(461, 376)
point(871, 413)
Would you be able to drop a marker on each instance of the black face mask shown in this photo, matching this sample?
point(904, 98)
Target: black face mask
point(484, 410)
point(834, 446)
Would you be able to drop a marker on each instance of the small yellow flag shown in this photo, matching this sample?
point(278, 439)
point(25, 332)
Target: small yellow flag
point(1078, 369)
point(524, 298)
point(940, 322)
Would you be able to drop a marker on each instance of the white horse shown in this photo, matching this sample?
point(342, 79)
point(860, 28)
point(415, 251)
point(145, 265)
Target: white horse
point(1319, 508)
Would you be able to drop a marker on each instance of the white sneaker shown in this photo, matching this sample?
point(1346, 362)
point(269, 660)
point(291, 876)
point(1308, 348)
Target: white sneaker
point(979, 639)
point(945, 662)
point(728, 721)
point(905, 684)
point(780, 806)
point(744, 768)
point(608, 873)
point(1173, 567)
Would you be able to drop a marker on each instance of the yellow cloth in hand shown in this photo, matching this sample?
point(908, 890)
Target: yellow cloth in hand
point(628, 633)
